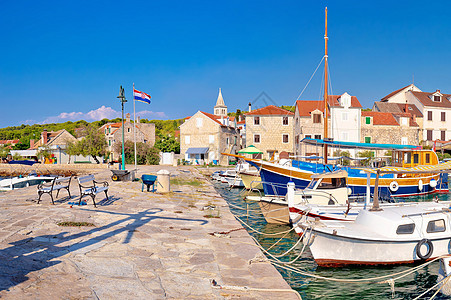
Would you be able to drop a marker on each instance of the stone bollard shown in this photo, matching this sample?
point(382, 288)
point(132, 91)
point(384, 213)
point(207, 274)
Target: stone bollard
point(163, 181)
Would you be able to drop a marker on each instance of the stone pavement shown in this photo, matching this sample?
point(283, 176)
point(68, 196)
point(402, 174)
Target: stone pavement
point(143, 245)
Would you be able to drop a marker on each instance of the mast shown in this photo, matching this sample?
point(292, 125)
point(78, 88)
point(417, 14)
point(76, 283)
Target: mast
point(325, 93)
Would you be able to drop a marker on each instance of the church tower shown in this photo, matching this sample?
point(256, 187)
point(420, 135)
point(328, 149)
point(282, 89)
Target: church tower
point(220, 107)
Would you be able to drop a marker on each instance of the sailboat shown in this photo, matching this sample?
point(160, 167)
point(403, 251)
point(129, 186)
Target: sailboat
point(275, 176)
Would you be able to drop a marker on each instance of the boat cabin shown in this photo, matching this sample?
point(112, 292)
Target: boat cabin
point(408, 158)
point(327, 189)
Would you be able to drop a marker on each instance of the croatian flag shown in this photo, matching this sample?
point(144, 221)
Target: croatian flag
point(141, 96)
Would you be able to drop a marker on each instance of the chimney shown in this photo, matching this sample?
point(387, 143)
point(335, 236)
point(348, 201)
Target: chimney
point(44, 137)
point(250, 107)
point(138, 119)
point(127, 117)
point(31, 144)
point(437, 91)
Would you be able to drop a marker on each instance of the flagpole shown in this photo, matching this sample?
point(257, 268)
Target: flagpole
point(134, 122)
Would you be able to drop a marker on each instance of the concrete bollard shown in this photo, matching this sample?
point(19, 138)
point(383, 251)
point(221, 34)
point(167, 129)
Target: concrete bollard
point(163, 181)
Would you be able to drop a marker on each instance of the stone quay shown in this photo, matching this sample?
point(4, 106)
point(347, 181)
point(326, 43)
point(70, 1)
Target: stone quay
point(136, 245)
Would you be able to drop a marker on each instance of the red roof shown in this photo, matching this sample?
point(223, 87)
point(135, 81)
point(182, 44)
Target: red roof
point(12, 142)
point(423, 97)
point(305, 107)
point(381, 118)
point(394, 93)
point(270, 110)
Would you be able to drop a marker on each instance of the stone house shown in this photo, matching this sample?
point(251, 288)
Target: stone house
point(343, 122)
point(56, 143)
point(270, 129)
point(145, 133)
point(434, 117)
point(204, 136)
point(389, 128)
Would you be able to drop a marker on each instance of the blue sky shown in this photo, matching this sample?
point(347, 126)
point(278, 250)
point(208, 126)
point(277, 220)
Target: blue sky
point(65, 60)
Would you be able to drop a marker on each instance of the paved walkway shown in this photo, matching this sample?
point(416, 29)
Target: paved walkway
point(143, 246)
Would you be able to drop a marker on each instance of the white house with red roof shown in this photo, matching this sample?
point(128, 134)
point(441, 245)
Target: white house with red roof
point(343, 123)
point(270, 129)
point(204, 136)
point(434, 117)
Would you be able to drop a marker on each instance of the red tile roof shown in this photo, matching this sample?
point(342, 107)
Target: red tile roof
point(381, 118)
point(394, 93)
point(270, 110)
point(398, 108)
point(12, 142)
point(423, 97)
point(305, 107)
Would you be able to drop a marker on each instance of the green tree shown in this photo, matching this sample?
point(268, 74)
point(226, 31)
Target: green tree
point(145, 154)
point(93, 144)
point(368, 154)
point(168, 144)
point(343, 161)
point(4, 152)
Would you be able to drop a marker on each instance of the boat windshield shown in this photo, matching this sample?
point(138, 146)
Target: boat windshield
point(312, 184)
point(332, 183)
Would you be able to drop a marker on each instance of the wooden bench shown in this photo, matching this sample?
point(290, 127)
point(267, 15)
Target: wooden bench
point(56, 184)
point(88, 187)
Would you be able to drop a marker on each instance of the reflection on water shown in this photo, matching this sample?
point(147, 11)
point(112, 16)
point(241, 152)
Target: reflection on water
point(408, 287)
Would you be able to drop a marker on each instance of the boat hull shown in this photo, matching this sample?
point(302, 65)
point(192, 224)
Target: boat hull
point(275, 179)
point(347, 251)
point(251, 181)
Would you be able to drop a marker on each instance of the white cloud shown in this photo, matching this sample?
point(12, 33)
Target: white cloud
point(102, 112)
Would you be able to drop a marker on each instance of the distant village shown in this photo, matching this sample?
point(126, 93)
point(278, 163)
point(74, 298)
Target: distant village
point(407, 116)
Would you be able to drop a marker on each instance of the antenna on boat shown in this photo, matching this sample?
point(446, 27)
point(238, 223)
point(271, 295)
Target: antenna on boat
point(326, 38)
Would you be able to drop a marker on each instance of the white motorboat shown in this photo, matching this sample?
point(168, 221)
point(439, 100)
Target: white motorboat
point(381, 235)
point(12, 183)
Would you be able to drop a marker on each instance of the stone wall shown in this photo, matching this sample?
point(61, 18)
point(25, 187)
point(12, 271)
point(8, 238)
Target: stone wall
point(271, 131)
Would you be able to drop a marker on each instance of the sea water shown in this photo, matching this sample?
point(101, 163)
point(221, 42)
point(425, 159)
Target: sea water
point(408, 287)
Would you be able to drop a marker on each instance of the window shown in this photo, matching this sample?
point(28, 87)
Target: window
point(318, 136)
point(429, 135)
point(211, 139)
point(368, 120)
point(368, 139)
point(407, 157)
point(344, 116)
point(436, 226)
point(308, 136)
point(404, 141)
point(128, 129)
point(316, 118)
point(428, 158)
point(105, 130)
point(285, 121)
point(405, 229)
point(109, 142)
point(443, 135)
point(443, 115)
point(234, 140)
point(285, 138)
point(436, 98)
point(344, 136)
point(199, 122)
point(187, 139)
point(256, 138)
point(416, 158)
point(429, 115)
point(256, 120)
point(227, 141)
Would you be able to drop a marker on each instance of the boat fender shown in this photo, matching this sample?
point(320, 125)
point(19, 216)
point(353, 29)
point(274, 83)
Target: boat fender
point(420, 185)
point(433, 183)
point(428, 254)
point(394, 186)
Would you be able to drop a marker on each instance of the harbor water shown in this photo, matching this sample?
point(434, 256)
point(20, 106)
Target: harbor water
point(408, 287)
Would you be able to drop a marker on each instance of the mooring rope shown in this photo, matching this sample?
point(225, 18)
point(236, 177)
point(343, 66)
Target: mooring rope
point(215, 285)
